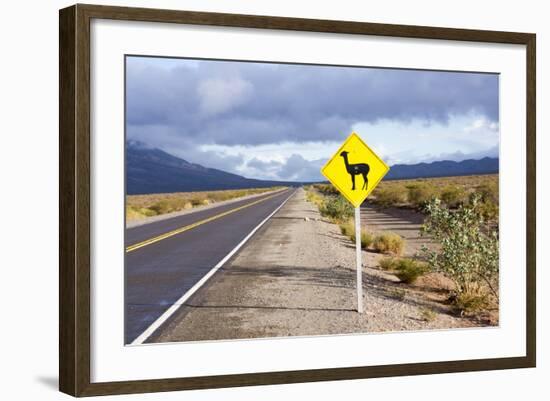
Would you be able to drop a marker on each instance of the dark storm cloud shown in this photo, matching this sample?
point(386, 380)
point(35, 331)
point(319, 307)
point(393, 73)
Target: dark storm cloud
point(232, 103)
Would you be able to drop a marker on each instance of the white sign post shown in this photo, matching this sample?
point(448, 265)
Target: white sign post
point(355, 161)
point(358, 259)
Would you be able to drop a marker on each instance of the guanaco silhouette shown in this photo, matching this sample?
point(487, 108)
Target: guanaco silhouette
point(356, 169)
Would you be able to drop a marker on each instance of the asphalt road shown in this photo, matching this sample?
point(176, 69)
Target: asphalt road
point(159, 273)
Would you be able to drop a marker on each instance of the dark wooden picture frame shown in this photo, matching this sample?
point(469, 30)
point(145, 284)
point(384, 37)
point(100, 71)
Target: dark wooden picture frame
point(74, 203)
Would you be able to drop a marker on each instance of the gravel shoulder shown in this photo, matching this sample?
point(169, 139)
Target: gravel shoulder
point(296, 277)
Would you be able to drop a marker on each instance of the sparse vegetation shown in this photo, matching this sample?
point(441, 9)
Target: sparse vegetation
point(488, 191)
point(428, 315)
point(488, 200)
point(314, 197)
point(388, 263)
point(391, 196)
point(469, 253)
point(142, 206)
point(134, 213)
point(408, 270)
point(388, 242)
point(453, 195)
point(347, 228)
point(489, 211)
point(336, 208)
point(330, 203)
point(416, 193)
point(366, 239)
point(461, 218)
point(420, 193)
point(471, 302)
point(326, 189)
point(398, 294)
point(453, 191)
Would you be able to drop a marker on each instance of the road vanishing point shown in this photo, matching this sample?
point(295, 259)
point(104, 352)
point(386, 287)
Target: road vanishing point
point(168, 260)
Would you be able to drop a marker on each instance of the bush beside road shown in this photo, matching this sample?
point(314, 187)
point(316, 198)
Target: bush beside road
point(142, 206)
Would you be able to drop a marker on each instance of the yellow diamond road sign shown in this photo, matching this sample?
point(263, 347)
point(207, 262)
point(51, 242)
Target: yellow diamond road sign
point(355, 170)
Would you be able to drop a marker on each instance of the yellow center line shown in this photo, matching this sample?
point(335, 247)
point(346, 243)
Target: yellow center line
point(180, 230)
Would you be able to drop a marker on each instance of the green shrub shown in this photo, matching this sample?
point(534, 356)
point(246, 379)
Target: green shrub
point(133, 213)
point(314, 197)
point(488, 192)
point(327, 189)
point(427, 314)
point(347, 228)
point(420, 194)
point(391, 196)
point(388, 263)
point(489, 211)
point(161, 207)
point(408, 270)
point(471, 301)
point(197, 201)
point(398, 293)
point(147, 212)
point(366, 238)
point(488, 200)
point(389, 242)
point(336, 208)
point(453, 195)
point(469, 253)
point(141, 206)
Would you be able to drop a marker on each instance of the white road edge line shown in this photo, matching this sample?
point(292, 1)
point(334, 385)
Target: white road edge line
point(175, 306)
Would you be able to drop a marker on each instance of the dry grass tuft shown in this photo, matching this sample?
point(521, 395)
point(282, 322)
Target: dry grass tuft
point(408, 270)
point(389, 242)
point(428, 315)
point(142, 206)
point(472, 301)
point(388, 263)
point(347, 228)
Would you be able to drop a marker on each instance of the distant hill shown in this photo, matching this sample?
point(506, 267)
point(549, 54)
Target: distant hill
point(151, 170)
point(446, 168)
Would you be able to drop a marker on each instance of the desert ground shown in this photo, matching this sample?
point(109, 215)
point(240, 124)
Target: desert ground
point(296, 277)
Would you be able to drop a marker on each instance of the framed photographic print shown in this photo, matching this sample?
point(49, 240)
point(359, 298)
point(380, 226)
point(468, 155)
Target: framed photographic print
point(201, 246)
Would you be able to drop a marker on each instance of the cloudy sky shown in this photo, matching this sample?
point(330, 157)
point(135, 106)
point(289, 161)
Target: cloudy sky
point(281, 121)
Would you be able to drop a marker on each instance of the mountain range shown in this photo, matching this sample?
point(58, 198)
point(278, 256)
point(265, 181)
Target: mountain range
point(445, 168)
point(151, 170)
